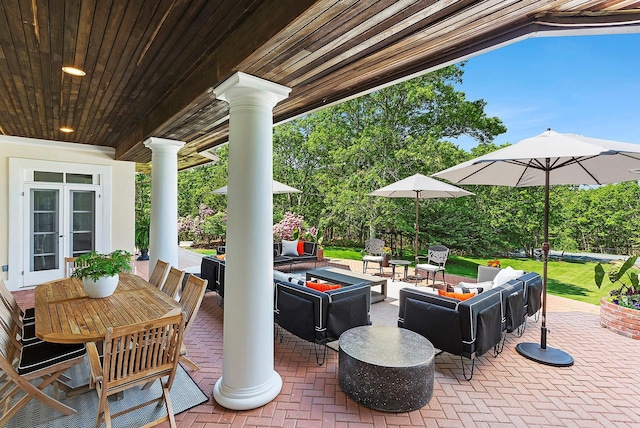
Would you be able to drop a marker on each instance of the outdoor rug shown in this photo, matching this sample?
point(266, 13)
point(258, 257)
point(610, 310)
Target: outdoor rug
point(185, 394)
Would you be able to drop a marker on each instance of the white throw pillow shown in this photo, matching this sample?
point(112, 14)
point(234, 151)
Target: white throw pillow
point(505, 275)
point(289, 248)
point(485, 285)
point(281, 276)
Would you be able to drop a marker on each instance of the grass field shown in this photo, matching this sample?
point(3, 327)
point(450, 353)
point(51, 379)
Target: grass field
point(571, 279)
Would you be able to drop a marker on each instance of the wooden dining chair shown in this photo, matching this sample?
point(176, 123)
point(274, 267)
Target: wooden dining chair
point(159, 272)
point(135, 355)
point(21, 365)
point(69, 266)
point(24, 323)
point(173, 282)
point(190, 300)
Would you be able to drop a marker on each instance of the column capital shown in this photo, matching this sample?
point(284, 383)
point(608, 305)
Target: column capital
point(228, 89)
point(163, 144)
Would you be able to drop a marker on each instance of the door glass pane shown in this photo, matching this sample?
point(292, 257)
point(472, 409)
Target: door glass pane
point(48, 177)
point(82, 222)
point(80, 178)
point(44, 230)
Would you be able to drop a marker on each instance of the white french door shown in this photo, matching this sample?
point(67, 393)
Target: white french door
point(60, 222)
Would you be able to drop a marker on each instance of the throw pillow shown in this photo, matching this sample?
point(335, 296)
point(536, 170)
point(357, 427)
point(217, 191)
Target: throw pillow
point(466, 287)
point(300, 248)
point(505, 275)
point(457, 296)
point(280, 276)
point(321, 286)
point(289, 248)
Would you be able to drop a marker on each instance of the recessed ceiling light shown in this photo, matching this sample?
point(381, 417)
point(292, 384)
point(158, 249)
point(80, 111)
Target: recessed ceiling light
point(66, 130)
point(74, 71)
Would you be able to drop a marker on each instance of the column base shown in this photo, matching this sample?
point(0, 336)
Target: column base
point(248, 398)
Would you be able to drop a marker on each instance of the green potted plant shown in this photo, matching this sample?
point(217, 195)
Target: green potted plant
point(315, 235)
point(99, 272)
point(142, 238)
point(620, 311)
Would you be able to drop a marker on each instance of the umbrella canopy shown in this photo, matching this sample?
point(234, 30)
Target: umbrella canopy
point(419, 186)
point(547, 159)
point(278, 188)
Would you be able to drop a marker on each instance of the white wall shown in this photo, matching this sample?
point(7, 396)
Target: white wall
point(122, 184)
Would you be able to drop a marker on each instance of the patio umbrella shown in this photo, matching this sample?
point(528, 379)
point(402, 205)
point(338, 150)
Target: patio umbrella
point(419, 186)
point(278, 188)
point(547, 159)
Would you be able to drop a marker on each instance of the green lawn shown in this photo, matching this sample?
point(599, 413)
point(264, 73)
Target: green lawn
point(571, 279)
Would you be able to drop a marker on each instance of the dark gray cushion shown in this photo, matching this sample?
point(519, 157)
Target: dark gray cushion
point(345, 314)
point(440, 325)
point(39, 355)
point(489, 329)
point(296, 315)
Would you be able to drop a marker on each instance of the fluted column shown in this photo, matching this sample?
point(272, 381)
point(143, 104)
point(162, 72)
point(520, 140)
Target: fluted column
point(248, 377)
point(163, 233)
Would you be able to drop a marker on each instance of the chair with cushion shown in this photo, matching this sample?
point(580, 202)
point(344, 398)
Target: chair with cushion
point(436, 260)
point(374, 249)
point(159, 272)
point(25, 321)
point(190, 300)
point(137, 355)
point(23, 364)
point(173, 282)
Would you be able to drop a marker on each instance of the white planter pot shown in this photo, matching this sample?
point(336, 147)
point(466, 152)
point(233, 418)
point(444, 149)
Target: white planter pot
point(103, 287)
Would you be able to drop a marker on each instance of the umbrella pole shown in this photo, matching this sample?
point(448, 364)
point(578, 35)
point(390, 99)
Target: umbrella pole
point(541, 353)
point(415, 243)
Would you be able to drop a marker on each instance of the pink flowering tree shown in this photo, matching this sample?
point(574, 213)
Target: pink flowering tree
point(287, 227)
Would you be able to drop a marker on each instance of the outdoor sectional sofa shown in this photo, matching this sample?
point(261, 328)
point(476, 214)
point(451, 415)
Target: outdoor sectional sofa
point(321, 317)
point(310, 254)
point(212, 268)
point(469, 328)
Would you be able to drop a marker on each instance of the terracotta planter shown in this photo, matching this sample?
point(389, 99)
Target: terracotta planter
point(320, 254)
point(624, 321)
point(385, 261)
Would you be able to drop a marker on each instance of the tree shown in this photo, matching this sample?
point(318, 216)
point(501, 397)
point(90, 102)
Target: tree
point(366, 143)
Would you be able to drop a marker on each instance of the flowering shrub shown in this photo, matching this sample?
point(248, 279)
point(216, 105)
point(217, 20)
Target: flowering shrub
point(287, 227)
point(203, 227)
point(632, 302)
point(494, 263)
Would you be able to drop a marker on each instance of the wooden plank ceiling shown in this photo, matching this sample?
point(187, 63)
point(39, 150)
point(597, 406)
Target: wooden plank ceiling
point(151, 65)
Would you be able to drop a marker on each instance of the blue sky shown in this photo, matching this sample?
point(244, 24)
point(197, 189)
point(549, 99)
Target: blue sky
point(587, 85)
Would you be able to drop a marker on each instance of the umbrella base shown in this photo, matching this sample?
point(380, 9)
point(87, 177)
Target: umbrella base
point(549, 356)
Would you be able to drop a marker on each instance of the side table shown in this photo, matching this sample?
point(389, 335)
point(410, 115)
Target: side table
point(395, 263)
point(386, 368)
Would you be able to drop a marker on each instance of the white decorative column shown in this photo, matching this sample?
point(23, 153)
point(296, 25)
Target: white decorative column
point(163, 233)
point(248, 377)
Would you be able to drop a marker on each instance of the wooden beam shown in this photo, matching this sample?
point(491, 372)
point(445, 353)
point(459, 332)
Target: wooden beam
point(223, 61)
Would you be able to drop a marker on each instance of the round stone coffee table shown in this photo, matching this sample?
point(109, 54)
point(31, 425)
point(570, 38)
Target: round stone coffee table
point(386, 368)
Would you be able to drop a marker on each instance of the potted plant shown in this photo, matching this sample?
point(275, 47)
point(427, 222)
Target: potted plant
point(142, 238)
point(620, 311)
point(99, 272)
point(315, 235)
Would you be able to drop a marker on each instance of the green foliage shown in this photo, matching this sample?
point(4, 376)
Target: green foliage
point(95, 265)
point(338, 155)
point(142, 233)
point(622, 273)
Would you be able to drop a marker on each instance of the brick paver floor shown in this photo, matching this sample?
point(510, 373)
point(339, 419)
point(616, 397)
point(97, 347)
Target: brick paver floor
point(600, 390)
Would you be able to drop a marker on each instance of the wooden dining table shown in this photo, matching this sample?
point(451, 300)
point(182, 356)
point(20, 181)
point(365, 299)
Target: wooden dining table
point(65, 314)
